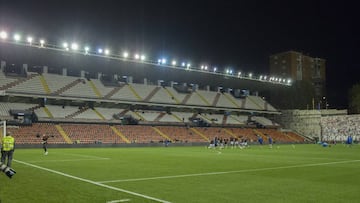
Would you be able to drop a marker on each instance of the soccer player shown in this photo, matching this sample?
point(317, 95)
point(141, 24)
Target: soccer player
point(270, 141)
point(44, 143)
point(349, 140)
point(7, 149)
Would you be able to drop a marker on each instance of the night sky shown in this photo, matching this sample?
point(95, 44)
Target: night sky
point(235, 34)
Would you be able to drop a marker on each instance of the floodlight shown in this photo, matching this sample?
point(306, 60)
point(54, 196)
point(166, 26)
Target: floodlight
point(205, 67)
point(289, 81)
point(142, 57)
point(100, 51)
point(265, 77)
point(215, 69)
point(17, 37)
point(107, 52)
point(188, 65)
point(163, 61)
point(65, 45)
point(42, 42)
point(159, 61)
point(173, 63)
point(125, 54)
point(29, 39)
point(261, 77)
point(202, 67)
point(3, 35)
point(137, 56)
point(250, 75)
point(74, 46)
point(239, 74)
point(231, 72)
point(183, 64)
point(86, 50)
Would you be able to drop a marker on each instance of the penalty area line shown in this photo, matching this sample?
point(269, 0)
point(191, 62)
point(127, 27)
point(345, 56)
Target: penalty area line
point(93, 182)
point(229, 172)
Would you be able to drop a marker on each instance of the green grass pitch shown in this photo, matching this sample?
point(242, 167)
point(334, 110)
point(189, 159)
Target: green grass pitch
point(304, 173)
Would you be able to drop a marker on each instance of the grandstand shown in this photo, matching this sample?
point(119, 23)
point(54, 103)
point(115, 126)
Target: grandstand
point(86, 107)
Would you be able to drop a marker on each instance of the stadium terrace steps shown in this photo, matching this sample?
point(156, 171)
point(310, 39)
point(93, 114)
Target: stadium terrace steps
point(231, 100)
point(199, 133)
point(44, 84)
point(134, 92)
point(217, 97)
point(257, 132)
point(162, 134)
point(99, 114)
point(186, 98)
point(67, 87)
point(122, 136)
point(172, 95)
point(161, 115)
point(18, 82)
point(63, 134)
point(50, 115)
point(95, 89)
point(224, 120)
point(81, 110)
point(203, 98)
point(254, 101)
point(113, 91)
point(152, 93)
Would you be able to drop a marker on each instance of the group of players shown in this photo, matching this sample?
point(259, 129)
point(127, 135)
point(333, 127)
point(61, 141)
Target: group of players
point(240, 142)
point(228, 142)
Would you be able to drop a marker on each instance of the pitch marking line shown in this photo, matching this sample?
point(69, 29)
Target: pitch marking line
point(65, 160)
point(228, 172)
point(120, 200)
point(93, 182)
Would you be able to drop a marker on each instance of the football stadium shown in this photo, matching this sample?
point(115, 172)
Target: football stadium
point(100, 125)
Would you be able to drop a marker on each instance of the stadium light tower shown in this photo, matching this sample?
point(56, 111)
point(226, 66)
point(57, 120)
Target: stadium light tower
point(3, 35)
point(163, 61)
point(66, 46)
point(250, 75)
point(188, 66)
point(142, 57)
point(173, 63)
point(183, 64)
point(100, 51)
point(137, 56)
point(107, 51)
point(17, 37)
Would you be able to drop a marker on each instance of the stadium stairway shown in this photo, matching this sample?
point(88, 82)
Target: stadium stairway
point(290, 137)
point(172, 95)
point(217, 97)
point(152, 93)
point(224, 120)
point(134, 92)
point(161, 115)
point(203, 99)
point(45, 84)
point(258, 105)
point(77, 112)
point(17, 82)
point(162, 134)
point(200, 134)
point(99, 114)
point(48, 112)
point(186, 98)
point(231, 100)
point(95, 89)
point(113, 91)
point(122, 136)
point(66, 87)
point(177, 117)
point(63, 134)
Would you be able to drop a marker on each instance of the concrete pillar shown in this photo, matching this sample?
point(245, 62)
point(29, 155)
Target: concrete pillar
point(207, 87)
point(64, 72)
point(2, 66)
point(45, 69)
point(25, 68)
point(82, 74)
point(130, 79)
point(99, 76)
point(145, 81)
point(116, 77)
point(159, 82)
point(172, 83)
